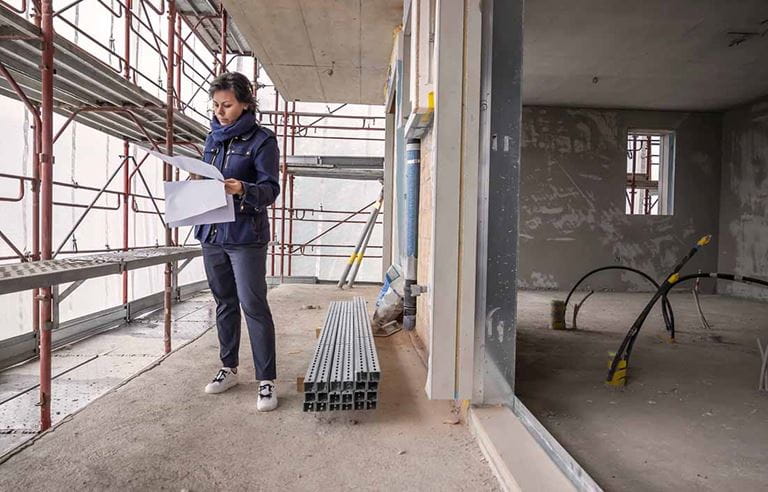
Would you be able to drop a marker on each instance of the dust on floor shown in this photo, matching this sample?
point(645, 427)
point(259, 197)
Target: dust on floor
point(161, 431)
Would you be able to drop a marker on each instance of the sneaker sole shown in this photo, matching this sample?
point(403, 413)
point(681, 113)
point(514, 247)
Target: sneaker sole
point(266, 409)
point(214, 391)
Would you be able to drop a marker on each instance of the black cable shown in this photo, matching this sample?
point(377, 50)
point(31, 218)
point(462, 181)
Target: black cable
point(629, 340)
point(625, 349)
point(666, 307)
point(723, 276)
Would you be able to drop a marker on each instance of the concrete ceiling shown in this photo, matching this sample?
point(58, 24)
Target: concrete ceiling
point(650, 54)
point(322, 50)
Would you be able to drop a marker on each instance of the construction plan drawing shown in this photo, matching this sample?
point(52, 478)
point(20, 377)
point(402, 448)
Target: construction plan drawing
point(190, 165)
point(196, 202)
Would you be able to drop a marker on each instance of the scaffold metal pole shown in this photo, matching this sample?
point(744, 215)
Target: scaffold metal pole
point(126, 146)
point(168, 306)
point(46, 188)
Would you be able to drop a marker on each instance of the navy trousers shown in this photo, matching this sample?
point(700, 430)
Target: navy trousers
point(237, 276)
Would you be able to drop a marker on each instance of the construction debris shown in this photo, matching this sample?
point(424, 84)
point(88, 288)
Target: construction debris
point(389, 303)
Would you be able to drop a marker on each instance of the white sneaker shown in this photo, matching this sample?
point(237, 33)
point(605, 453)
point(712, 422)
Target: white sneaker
point(267, 396)
point(224, 380)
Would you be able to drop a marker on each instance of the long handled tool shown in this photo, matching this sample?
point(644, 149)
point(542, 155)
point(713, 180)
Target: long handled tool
point(357, 254)
point(361, 253)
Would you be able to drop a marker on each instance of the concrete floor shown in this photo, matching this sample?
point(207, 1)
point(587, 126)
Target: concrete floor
point(161, 431)
point(85, 370)
point(691, 417)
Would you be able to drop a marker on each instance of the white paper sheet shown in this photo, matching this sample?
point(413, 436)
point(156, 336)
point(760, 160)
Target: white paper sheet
point(215, 216)
point(185, 199)
point(190, 165)
point(196, 202)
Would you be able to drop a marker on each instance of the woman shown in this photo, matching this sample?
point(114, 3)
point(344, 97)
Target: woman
point(235, 253)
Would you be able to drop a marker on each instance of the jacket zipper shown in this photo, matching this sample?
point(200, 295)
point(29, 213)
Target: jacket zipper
point(213, 231)
point(226, 154)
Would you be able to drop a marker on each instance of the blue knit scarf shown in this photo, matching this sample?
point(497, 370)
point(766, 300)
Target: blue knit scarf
point(222, 133)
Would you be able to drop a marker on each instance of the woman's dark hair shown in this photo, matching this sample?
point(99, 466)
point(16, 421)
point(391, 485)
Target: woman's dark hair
point(237, 83)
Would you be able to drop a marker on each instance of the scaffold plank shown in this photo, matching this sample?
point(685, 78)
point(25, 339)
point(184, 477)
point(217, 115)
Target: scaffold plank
point(81, 80)
point(209, 28)
point(17, 277)
point(338, 167)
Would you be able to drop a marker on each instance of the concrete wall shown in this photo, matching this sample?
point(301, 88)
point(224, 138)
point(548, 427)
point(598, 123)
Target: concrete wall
point(744, 198)
point(572, 203)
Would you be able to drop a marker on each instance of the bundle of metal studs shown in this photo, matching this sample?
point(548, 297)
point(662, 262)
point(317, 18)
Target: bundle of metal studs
point(344, 373)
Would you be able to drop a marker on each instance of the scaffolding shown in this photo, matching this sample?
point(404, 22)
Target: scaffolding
point(50, 75)
point(646, 172)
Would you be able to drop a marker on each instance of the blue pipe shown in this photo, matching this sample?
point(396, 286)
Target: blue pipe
point(412, 176)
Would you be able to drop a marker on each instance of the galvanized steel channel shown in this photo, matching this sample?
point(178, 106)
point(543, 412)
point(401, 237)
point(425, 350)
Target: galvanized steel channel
point(344, 373)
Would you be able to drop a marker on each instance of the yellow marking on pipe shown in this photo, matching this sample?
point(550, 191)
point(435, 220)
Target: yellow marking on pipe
point(673, 278)
point(619, 375)
point(704, 240)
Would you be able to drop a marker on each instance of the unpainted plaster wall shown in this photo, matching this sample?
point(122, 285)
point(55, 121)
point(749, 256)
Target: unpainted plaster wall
point(572, 199)
point(744, 198)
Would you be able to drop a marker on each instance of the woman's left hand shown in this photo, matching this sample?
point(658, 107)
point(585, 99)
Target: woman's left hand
point(233, 186)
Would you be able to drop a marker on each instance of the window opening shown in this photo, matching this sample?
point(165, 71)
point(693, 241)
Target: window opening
point(649, 172)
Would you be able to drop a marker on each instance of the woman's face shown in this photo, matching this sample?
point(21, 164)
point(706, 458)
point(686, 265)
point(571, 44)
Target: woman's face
point(226, 107)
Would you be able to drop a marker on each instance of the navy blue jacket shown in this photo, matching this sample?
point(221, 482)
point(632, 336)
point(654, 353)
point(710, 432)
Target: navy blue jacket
point(253, 158)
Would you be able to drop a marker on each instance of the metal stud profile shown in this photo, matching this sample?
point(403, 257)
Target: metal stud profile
point(344, 373)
